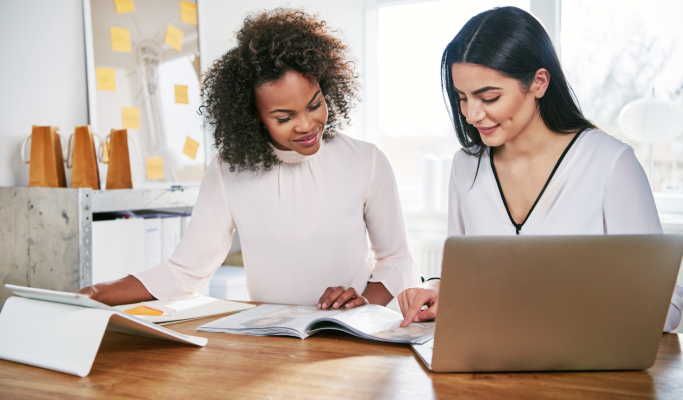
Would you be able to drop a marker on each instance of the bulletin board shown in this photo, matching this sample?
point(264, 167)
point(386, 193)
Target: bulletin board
point(143, 75)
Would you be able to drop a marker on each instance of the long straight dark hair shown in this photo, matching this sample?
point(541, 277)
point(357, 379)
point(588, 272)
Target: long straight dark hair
point(512, 42)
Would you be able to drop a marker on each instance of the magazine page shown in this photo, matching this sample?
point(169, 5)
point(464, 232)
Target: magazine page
point(269, 319)
point(373, 321)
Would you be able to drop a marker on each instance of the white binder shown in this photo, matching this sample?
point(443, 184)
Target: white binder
point(63, 331)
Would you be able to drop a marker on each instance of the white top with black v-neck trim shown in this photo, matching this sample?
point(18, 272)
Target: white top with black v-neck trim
point(304, 227)
point(599, 187)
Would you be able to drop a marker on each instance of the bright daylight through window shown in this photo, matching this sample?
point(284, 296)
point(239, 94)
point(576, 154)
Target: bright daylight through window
point(615, 52)
point(414, 129)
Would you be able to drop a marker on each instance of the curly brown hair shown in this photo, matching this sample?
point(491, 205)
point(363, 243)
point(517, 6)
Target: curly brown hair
point(269, 45)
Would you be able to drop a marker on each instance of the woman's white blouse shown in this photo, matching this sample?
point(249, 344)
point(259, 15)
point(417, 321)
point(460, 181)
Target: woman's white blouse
point(302, 227)
point(599, 188)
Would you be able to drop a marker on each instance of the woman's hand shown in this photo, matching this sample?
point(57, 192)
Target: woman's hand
point(339, 296)
point(126, 290)
point(411, 301)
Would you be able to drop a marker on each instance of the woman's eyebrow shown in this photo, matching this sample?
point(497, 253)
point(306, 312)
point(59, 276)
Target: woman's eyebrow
point(281, 110)
point(291, 111)
point(313, 98)
point(485, 89)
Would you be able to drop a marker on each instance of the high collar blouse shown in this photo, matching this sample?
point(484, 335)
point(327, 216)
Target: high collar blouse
point(598, 188)
point(304, 227)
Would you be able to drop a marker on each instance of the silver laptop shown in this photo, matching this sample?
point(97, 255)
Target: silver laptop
point(552, 303)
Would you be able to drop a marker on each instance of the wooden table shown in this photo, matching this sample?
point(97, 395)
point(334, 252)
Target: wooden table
point(327, 365)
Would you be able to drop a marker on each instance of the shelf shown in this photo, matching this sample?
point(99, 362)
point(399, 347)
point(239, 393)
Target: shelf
point(46, 233)
point(143, 199)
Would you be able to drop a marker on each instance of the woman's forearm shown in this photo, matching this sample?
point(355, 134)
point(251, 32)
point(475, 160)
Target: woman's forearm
point(376, 293)
point(122, 291)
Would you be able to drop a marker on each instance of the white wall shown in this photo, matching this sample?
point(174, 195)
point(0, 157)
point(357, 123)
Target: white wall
point(42, 76)
point(219, 19)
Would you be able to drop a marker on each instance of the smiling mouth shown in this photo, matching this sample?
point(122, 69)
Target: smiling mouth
point(486, 130)
point(308, 140)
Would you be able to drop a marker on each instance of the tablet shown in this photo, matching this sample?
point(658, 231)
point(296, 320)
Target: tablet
point(125, 323)
point(73, 299)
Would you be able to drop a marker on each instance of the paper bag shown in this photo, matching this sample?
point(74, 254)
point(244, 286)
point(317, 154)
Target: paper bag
point(47, 160)
point(83, 159)
point(118, 174)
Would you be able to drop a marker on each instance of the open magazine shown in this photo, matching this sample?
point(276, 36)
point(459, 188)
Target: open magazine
point(370, 321)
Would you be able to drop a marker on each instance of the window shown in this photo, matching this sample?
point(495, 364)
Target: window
point(615, 52)
point(414, 130)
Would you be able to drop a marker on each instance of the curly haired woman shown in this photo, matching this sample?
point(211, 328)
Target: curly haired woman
point(301, 194)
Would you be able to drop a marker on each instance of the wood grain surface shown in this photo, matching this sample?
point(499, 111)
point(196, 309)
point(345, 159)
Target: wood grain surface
point(324, 366)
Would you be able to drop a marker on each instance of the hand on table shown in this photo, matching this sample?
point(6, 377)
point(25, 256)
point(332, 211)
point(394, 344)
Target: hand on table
point(413, 299)
point(126, 290)
point(339, 296)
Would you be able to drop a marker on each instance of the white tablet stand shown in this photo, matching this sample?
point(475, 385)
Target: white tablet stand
point(65, 337)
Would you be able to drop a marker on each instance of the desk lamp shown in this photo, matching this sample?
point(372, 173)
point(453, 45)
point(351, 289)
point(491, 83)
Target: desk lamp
point(649, 121)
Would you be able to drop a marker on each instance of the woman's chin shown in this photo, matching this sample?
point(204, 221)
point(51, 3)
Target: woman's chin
point(307, 150)
point(493, 140)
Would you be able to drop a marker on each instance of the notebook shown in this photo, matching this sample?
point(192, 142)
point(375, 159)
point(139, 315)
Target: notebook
point(188, 309)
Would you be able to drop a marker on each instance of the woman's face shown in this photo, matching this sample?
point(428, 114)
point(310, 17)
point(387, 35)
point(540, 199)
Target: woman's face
point(495, 104)
point(294, 111)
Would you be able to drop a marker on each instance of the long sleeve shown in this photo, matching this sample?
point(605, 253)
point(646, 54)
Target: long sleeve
point(395, 267)
point(629, 208)
point(455, 222)
point(202, 248)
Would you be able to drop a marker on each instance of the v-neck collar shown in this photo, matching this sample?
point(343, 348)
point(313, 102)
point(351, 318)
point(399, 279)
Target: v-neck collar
point(518, 227)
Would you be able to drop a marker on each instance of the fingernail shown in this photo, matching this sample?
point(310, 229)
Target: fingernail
point(324, 305)
point(318, 305)
point(348, 305)
point(335, 305)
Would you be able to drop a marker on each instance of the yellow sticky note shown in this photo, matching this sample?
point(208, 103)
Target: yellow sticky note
point(191, 147)
point(142, 310)
point(181, 94)
point(188, 12)
point(130, 117)
point(124, 6)
point(106, 79)
point(174, 37)
point(155, 167)
point(120, 39)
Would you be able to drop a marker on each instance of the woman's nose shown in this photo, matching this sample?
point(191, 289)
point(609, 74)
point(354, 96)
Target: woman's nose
point(473, 114)
point(305, 124)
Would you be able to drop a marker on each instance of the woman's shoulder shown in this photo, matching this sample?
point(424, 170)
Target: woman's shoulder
point(599, 151)
point(344, 146)
point(342, 141)
point(356, 157)
point(603, 142)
